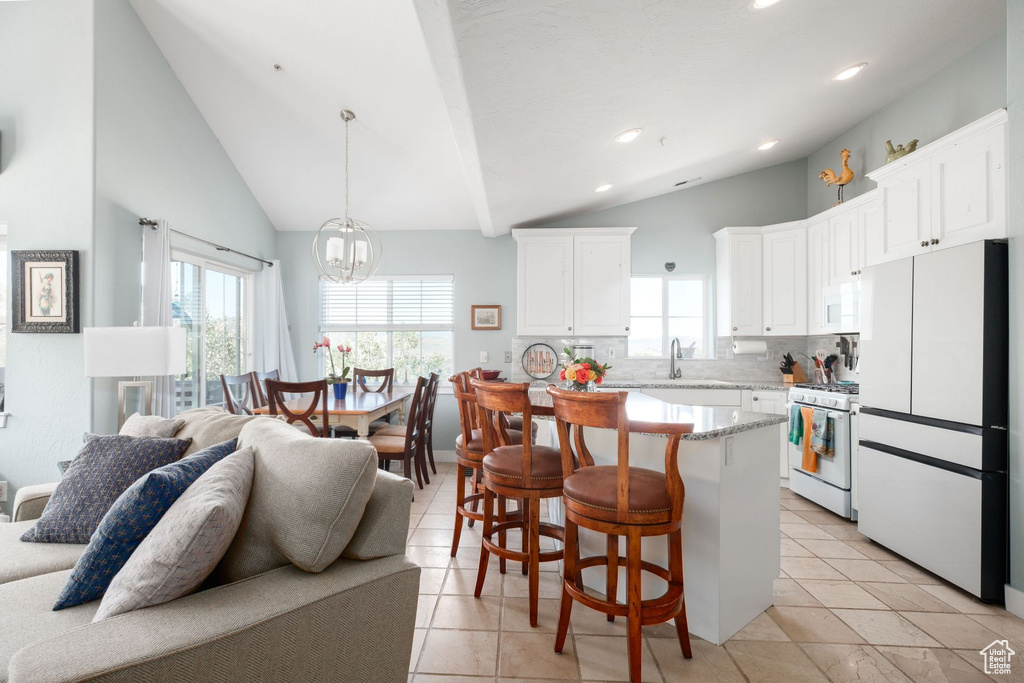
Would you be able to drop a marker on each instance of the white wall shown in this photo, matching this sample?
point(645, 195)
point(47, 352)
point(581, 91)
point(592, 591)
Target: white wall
point(46, 199)
point(963, 91)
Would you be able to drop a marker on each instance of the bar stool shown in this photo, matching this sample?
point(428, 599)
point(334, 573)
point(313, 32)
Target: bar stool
point(619, 500)
point(522, 471)
point(469, 454)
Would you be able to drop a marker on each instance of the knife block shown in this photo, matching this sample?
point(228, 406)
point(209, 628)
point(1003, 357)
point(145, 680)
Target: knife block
point(799, 376)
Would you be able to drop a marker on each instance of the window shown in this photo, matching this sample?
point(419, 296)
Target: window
point(400, 323)
point(665, 307)
point(213, 303)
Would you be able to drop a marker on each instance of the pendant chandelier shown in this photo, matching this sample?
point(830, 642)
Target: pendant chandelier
point(345, 250)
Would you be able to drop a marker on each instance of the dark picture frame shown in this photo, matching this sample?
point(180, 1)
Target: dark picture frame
point(44, 292)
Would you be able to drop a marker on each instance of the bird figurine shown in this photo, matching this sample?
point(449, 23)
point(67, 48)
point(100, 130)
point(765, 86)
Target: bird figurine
point(830, 177)
point(892, 154)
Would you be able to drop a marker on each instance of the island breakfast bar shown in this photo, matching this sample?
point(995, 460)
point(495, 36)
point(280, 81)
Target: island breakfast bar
point(729, 467)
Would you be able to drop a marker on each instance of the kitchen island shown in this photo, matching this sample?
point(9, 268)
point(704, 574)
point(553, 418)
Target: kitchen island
point(729, 467)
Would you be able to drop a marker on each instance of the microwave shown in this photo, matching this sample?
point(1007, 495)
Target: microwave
point(842, 307)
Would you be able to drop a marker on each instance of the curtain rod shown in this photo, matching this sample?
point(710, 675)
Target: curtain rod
point(219, 247)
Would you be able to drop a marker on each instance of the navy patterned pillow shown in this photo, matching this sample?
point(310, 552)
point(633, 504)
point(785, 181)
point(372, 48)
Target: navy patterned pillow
point(102, 470)
point(130, 520)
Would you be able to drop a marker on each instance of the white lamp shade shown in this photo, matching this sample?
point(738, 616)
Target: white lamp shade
point(134, 351)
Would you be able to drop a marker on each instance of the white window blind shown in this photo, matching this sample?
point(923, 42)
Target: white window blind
point(393, 304)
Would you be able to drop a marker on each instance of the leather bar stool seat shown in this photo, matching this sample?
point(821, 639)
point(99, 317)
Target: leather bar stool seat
point(505, 466)
point(476, 443)
point(516, 422)
point(592, 491)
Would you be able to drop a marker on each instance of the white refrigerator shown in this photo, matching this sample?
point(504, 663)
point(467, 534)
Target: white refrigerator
point(932, 455)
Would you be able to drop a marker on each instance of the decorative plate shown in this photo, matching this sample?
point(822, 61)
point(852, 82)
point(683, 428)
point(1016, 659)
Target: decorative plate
point(540, 361)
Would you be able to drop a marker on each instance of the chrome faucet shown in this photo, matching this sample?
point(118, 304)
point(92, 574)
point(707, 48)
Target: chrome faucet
point(675, 351)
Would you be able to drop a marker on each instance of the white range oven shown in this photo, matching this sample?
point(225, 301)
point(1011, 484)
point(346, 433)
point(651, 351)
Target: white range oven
point(832, 485)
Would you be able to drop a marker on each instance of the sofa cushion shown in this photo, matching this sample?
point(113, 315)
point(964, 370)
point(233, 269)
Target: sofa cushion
point(308, 496)
point(187, 543)
point(28, 617)
point(102, 471)
point(211, 425)
point(130, 519)
point(19, 560)
point(151, 425)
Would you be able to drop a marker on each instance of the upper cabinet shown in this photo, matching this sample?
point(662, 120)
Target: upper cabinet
point(784, 280)
point(738, 277)
point(844, 243)
point(947, 193)
point(818, 260)
point(573, 281)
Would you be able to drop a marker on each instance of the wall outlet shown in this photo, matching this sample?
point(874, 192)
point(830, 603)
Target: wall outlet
point(3, 491)
point(508, 356)
point(483, 356)
point(611, 353)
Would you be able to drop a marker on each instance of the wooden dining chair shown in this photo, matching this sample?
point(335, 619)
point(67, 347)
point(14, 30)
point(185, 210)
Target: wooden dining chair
point(619, 500)
point(261, 379)
point(250, 393)
point(521, 471)
point(278, 405)
point(408, 446)
point(386, 378)
point(426, 451)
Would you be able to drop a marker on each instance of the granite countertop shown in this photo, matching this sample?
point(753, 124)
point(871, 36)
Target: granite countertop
point(708, 422)
point(764, 385)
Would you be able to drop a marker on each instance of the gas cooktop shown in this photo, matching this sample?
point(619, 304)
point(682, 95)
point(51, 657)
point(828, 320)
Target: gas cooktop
point(849, 389)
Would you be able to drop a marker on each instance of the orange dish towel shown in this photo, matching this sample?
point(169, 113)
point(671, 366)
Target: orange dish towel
point(810, 459)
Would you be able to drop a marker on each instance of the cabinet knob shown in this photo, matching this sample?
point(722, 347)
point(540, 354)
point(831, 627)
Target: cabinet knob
point(924, 243)
point(570, 329)
point(627, 329)
point(935, 241)
point(767, 329)
point(755, 398)
point(735, 328)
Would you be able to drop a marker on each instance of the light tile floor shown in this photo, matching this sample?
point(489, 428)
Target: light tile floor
point(845, 610)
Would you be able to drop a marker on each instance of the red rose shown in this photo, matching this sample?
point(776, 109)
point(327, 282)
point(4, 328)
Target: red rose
point(598, 380)
point(561, 375)
point(586, 365)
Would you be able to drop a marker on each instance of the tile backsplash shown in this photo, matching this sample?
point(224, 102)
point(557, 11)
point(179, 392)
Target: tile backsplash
point(726, 366)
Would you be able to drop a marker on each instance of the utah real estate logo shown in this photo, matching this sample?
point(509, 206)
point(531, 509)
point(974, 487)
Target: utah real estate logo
point(997, 657)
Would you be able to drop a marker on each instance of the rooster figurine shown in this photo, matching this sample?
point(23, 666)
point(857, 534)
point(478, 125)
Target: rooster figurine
point(830, 177)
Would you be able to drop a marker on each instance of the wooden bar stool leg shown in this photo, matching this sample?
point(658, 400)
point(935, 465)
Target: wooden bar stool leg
point(524, 511)
point(612, 590)
point(474, 478)
point(481, 572)
point(502, 518)
point(460, 503)
point(533, 507)
point(634, 618)
point(675, 568)
point(570, 557)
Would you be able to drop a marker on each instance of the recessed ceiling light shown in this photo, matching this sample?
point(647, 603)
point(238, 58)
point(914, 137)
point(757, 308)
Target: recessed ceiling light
point(849, 72)
point(629, 135)
point(603, 188)
point(768, 144)
point(762, 4)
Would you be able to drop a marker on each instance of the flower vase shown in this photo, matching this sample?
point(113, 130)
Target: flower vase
point(340, 389)
point(576, 386)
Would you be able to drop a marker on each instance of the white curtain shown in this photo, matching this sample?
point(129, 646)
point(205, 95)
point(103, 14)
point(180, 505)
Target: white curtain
point(272, 325)
point(156, 301)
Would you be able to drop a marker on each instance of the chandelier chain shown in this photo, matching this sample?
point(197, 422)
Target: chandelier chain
point(346, 171)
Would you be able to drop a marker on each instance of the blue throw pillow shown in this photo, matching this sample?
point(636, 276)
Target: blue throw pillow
point(104, 468)
point(130, 520)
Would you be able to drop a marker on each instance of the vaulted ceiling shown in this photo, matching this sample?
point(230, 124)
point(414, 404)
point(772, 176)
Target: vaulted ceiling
point(488, 114)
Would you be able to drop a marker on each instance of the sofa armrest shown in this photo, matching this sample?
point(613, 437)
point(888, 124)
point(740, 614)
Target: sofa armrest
point(384, 528)
point(352, 622)
point(29, 501)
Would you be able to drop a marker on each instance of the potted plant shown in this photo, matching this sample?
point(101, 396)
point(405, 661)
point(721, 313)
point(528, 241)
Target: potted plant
point(337, 380)
point(581, 374)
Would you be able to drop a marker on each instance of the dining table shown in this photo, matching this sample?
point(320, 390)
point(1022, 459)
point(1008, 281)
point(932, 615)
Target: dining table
point(356, 411)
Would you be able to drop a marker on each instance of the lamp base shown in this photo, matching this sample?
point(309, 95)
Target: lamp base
point(146, 386)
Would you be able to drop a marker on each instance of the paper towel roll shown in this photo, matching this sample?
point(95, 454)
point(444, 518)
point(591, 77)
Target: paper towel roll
point(749, 348)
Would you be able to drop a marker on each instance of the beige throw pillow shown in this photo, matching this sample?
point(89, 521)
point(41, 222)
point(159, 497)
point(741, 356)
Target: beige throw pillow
point(211, 425)
point(308, 496)
point(151, 425)
point(188, 541)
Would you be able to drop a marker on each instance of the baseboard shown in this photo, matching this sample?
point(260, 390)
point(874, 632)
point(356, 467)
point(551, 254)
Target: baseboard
point(1014, 601)
point(444, 456)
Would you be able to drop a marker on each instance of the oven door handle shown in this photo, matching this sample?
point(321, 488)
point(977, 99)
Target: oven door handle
point(837, 416)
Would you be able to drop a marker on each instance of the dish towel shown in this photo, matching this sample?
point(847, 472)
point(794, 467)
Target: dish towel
point(809, 462)
point(823, 440)
point(796, 425)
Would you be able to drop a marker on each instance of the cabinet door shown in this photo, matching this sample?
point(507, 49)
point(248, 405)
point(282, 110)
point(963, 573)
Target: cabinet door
point(601, 284)
point(817, 277)
point(870, 229)
point(843, 242)
point(784, 292)
point(774, 402)
point(744, 285)
point(969, 190)
point(545, 278)
point(906, 228)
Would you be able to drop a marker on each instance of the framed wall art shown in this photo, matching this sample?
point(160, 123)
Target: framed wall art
point(44, 292)
point(486, 317)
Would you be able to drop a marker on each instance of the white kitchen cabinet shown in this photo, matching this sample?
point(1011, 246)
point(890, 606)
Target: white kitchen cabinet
point(784, 280)
point(773, 403)
point(844, 246)
point(906, 214)
point(738, 259)
point(573, 282)
point(817, 276)
point(601, 267)
point(869, 227)
point(723, 398)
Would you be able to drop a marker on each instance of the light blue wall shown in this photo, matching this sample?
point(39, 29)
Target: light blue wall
point(963, 91)
point(46, 199)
